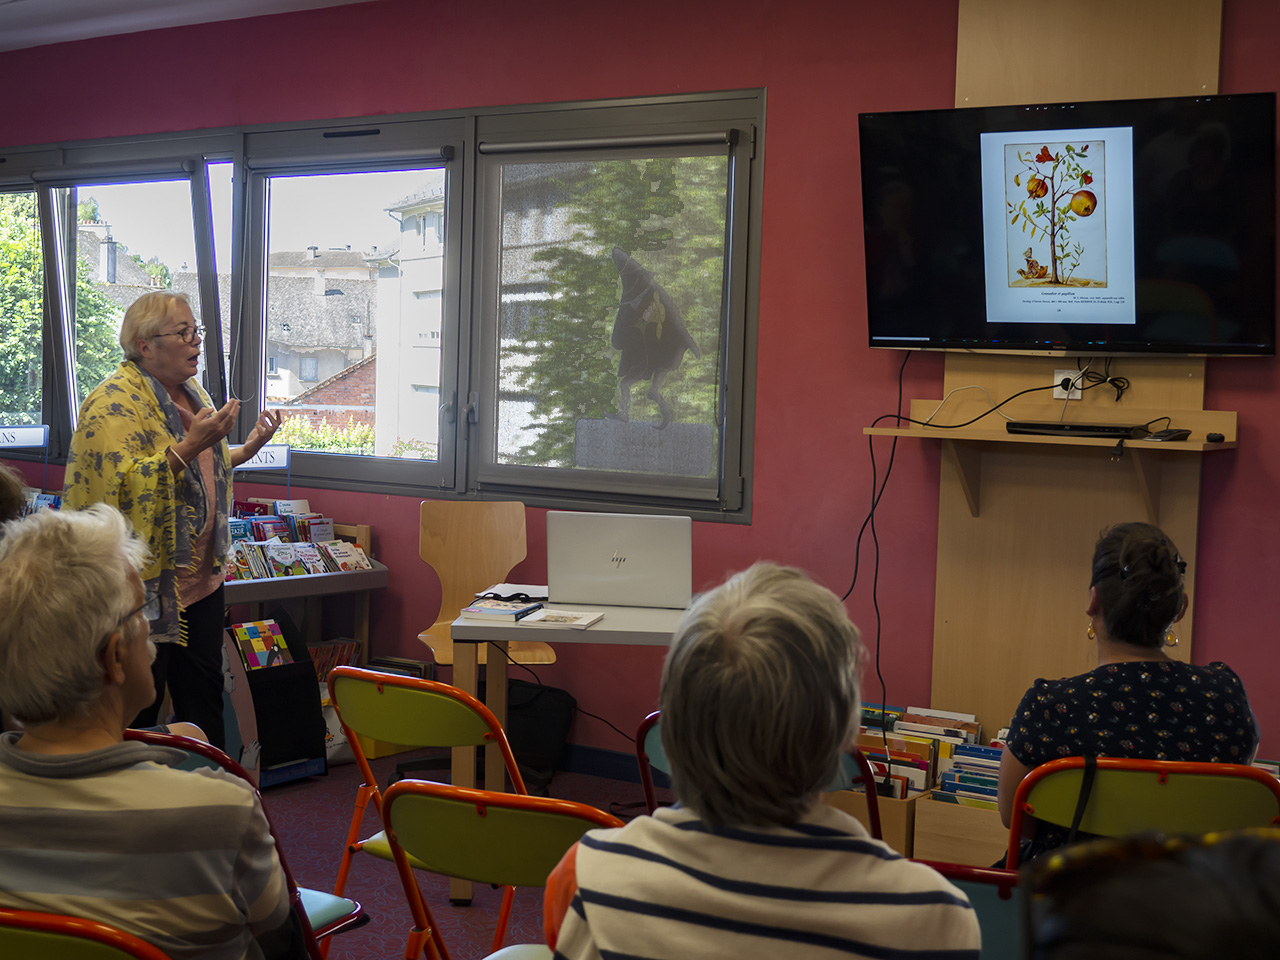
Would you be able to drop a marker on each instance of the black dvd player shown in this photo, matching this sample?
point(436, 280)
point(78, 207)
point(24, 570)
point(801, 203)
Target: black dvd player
point(1063, 428)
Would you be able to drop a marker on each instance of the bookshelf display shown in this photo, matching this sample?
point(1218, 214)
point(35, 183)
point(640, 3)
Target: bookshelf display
point(285, 693)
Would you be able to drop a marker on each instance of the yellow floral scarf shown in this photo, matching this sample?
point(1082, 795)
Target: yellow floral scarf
point(118, 457)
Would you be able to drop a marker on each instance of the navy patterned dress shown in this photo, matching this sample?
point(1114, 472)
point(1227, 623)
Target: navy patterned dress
point(1148, 710)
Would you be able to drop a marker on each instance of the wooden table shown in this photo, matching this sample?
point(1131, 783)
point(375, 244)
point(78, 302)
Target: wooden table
point(646, 626)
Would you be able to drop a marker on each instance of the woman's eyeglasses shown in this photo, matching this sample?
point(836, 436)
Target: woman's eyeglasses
point(150, 608)
point(188, 334)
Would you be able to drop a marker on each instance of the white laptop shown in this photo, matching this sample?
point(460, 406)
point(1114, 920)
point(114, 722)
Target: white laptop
point(619, 559)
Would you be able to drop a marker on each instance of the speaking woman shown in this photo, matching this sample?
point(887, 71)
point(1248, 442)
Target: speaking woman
point(149, 443)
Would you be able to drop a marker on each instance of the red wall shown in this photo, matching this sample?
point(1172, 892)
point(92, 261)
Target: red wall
point(817, 383)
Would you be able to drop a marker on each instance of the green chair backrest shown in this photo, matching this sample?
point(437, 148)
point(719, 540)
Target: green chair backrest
point(42, 944)
point(422, 715)
point(1129, 801)
point(500, 839)
point(999, 919)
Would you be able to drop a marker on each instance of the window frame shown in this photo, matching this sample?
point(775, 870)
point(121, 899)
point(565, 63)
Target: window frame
point(468, 146)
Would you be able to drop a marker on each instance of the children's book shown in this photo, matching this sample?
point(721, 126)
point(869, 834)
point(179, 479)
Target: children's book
point(261, 643)
point(310, 557)
point(284, 560)
point(347, 556)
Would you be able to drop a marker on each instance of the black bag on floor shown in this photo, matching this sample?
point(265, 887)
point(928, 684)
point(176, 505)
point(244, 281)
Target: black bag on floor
point(538, 721)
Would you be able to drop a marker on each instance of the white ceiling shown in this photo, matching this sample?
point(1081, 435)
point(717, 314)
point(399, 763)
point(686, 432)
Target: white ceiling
point(33, 23)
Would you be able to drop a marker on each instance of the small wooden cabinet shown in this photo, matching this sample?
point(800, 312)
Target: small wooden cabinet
point(957, 834)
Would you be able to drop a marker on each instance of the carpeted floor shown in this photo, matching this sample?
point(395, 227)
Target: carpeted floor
point(312, 816)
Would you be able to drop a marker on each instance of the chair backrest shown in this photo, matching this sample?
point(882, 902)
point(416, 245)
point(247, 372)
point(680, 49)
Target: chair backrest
point(413, 712)
point(1136, 796)
point(319, 914)
point(52, 936)
point(487, 837)
point(650, 756)
point(997, 900)
point(470, 544)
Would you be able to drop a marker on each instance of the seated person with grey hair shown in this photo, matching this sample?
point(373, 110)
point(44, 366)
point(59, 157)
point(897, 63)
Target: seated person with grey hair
point(94, 825)
point(759, 699)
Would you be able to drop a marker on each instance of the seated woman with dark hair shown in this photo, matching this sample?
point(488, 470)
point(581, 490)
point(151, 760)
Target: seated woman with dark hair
point(1138, 702)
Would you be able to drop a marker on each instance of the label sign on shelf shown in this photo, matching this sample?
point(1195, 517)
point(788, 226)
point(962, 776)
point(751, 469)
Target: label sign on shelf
point(24, 436)
point(273, 456)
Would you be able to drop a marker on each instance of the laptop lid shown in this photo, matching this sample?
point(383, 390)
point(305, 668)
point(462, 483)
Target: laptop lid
point(619, 559)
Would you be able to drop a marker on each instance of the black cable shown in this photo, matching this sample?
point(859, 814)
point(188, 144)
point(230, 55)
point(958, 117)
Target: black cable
point(1094, 379)
point(628, 736)
point(522, 666)
point(986, 413)
point(538, 680)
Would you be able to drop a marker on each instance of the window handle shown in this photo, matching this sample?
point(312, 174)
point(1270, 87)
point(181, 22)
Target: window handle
point(448, 412)
point(473, 407)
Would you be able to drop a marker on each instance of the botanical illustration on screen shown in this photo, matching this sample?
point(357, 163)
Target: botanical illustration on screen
point(1052, 193)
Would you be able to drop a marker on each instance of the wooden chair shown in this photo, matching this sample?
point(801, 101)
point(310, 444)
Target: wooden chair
point(416, 713)
point(854, 769)
point(1138, 796)
point(321, 914)
point(472, 545)
point(54, 936)
point(497, 838)
point(996, 898)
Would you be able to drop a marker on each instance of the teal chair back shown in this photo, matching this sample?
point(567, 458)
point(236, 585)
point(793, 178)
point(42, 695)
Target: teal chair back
point(996, 898)
point(31, 935)
point(650, 756)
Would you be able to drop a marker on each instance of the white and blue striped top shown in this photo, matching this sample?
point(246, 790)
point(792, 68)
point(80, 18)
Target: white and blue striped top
point(667, 886)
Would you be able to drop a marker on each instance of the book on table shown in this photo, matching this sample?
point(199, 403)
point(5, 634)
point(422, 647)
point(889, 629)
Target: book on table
point(509, 610)
point(576, 619)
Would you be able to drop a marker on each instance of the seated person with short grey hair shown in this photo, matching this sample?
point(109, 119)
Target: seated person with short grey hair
point(94, 825)
point(759, 699)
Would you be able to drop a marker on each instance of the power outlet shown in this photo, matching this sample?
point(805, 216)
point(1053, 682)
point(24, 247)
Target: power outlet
point(1074, 377)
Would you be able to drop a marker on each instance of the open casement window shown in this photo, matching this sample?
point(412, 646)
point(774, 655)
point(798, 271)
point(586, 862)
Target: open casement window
point(611, 299)
point(21, 310)
point(351, 283)
point(111, 222)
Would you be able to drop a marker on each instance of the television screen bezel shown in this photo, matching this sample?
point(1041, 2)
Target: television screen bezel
point(1044, 116)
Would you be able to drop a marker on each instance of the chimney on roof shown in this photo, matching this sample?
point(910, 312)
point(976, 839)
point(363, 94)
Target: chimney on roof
point(320, 284)
point(107, 257)
point(312, 253)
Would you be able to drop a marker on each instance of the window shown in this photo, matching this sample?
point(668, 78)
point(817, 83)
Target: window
point(338, 285)
point(131, 238)
point(21, 310)
point(552, 302)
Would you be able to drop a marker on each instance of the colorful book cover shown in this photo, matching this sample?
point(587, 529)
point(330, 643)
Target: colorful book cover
point(501, 609)
point(310, 557)
point(283, 559)
point(261, 643)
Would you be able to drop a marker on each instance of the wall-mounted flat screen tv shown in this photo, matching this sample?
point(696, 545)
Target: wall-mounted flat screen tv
point(1095, 228)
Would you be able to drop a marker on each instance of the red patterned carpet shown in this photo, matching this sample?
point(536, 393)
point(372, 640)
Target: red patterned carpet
point(312, 817)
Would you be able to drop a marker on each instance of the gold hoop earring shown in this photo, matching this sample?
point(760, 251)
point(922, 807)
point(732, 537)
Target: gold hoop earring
point(1092, 635)
point(1171, 638)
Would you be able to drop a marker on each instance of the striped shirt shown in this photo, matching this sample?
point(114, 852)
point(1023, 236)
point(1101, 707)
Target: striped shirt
point(667, 886)
point(182, 859)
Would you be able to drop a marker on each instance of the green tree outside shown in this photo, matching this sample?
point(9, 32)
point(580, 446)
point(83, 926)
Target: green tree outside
point(21, 309)
point(669, 214)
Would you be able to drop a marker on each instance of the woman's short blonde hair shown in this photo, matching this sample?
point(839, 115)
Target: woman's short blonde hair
point(144, 317)
point(760, 697)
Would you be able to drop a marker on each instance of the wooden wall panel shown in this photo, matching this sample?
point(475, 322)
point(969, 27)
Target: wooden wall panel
point(1085, 50)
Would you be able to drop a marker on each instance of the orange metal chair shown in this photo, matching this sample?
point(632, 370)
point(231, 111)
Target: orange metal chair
point(1138, 796)
point(479, 835)
point(54, 936)
point(854, 769)
point(412, 712)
